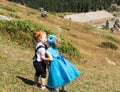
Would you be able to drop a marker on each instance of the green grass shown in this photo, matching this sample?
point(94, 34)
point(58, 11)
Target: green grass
point(17, 72)
point(21, 31)
point(8, 8)
point(108, 45)
point(16, 67)
point(112, 38)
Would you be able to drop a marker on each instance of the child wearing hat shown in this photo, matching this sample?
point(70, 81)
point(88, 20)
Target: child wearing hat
point(61, 70)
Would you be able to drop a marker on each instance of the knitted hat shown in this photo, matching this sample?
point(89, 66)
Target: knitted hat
point(51, 40)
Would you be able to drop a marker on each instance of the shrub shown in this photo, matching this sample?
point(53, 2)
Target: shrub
point(69, 48)
point(108, 45)
point(21, 31)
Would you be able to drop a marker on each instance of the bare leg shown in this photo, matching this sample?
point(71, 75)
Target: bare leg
point(64, 88)
point(43, 81)
point(55, 90)
point(36, 79)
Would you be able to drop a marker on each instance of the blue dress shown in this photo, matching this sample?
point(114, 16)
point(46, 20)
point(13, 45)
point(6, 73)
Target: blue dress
point(61, 71)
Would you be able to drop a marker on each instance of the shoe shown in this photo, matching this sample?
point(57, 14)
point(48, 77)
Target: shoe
point(63, 91)
point(57, 90)
point(43, 87)
point(54, 90)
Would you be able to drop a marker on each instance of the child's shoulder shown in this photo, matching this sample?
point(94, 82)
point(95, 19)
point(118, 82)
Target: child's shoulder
point(53, 50)
point(50, 49)
point(39, 46)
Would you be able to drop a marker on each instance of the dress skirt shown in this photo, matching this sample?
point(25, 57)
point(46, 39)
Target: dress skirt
point(61, 70)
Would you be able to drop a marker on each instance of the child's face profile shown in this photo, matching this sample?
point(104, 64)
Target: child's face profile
point(57, 42)
point(43, 39)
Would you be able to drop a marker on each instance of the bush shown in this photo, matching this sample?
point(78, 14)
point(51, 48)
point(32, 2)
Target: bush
point(21, 31)
point(69, 48)
point(108, 45)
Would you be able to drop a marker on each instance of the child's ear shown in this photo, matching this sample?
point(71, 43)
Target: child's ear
point(40, 37)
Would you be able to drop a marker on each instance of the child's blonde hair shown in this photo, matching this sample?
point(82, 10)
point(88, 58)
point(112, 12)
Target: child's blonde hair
point(37, 35)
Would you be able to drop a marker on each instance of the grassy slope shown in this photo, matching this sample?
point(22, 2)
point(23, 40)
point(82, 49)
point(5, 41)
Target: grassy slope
point(96, 75)
point(16, 72)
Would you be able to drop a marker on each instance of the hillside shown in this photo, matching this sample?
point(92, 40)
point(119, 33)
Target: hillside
point(100, 67)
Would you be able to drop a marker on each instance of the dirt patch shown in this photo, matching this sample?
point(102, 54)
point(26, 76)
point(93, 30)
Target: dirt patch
point(90, 16)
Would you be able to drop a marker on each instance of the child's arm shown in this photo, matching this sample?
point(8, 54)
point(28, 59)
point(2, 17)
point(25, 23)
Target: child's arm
point(49, 58)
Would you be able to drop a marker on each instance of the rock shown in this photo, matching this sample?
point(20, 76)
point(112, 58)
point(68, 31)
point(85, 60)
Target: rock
point(2, 17)
point(110, 61)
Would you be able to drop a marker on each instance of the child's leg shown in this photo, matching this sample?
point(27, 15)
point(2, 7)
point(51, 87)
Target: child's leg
point(36, 79)
point(64, 88)
point(55, 90)
point(43, 81)
point(37, 72)
point(43, 75)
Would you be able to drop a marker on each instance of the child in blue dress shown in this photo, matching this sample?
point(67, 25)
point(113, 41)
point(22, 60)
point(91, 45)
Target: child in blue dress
point(61, 71)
